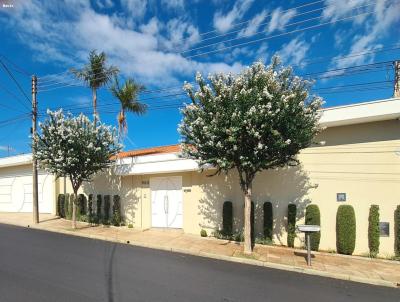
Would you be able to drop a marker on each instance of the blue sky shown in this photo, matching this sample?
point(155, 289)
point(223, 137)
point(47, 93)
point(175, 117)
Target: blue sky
point(163, 43)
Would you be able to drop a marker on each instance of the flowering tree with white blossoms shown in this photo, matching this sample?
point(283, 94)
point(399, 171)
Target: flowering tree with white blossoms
point(259, 119)
point(74, 147)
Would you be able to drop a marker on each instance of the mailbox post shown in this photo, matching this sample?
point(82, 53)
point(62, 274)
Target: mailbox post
point(307, 229)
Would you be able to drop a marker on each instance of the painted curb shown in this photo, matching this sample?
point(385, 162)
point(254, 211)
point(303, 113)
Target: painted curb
point(308, 271)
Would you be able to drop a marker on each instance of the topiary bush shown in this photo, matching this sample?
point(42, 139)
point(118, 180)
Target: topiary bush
point(116, 210)
point(397, 231)
point(98, 209)
point(82, 204)
point(61, 205)
point(268, 220)
point(203, 233)
point(90, 209)
point(106, 209)
point(345, 230)
point(291, 227)
point(227, 218)
point(373, 231)
point(313, 217)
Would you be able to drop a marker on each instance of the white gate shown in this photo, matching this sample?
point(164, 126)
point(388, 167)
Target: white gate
point(166, 202)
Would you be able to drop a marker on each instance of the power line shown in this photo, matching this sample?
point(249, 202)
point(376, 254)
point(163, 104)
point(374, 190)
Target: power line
point(16, 82)
point(14, 96)
point(15, 67)
point(277, 35)
point(355, 70)
point(264, 31)
point(259, 25)
point(248, 21)
point(163, 98)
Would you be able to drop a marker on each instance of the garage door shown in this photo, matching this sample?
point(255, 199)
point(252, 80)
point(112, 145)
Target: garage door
point(16, 192)
point(166, 202)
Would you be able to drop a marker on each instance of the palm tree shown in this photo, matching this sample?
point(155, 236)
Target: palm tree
point(95, 74)
point(127, 94)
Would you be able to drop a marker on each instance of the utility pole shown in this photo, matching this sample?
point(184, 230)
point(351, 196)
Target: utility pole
point(396, 92)
point(35, 197)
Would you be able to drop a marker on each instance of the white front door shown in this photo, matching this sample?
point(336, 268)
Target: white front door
point(166, 202)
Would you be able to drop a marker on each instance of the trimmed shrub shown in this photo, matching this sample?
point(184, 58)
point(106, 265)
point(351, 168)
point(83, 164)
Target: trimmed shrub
point(90, 209)
point(98, 209)
point(397, 231)
point(61, 205)
point(291, 227)
point(106, 209)
point(268, 220)
point(116, 210)
point(345, 230)
point(227, 218)
point(313, 217)
point(82, 204)
point(373, 231)
point(203, 233)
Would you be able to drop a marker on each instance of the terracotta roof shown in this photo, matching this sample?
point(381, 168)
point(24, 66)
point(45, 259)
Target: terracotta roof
point(152, 150)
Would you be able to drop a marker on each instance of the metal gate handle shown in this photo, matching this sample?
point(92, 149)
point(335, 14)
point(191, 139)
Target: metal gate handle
point(166, 204)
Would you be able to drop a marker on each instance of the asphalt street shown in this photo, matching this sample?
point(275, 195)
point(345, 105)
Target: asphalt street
point(39, 266)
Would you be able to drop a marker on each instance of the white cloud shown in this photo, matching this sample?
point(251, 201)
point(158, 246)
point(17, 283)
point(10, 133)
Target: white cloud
point(279, 19)
point(152, 27)
point(136, 8)
point(224, 22)
point(373, 27)
point(67, 41)
point(104, 4)
point(294, 52)
point(173, 4)
point(262, 52)
point(179, 34)
point(253, 25)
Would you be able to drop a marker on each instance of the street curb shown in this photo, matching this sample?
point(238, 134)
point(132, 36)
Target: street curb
point(308, 271)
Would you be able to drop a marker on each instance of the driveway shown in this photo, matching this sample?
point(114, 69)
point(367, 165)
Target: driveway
point(42, 266)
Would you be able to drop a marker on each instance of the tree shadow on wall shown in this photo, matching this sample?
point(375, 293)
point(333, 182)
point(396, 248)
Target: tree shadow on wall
point(289, 185)
point(108, 183)
point(280, 187)
point(216, 190)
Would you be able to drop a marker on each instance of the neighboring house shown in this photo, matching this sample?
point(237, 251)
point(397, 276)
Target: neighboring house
point(158, 188)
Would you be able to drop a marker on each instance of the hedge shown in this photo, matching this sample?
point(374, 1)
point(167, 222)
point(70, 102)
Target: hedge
point(116, 210)
point(268, 220)
point(373, 230)
point(345, 229)
point(98, 208)
point(313, 217)
point(106, 209)
point(227, 218)
point(90, 209)
point(61, 205)
point(81, 204)
point(397, 231)
point(291, 228)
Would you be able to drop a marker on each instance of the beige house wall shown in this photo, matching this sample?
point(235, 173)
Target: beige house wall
point(361, 160)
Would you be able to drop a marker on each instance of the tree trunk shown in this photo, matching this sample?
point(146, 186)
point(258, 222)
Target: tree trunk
point(94, 92)
point(247, 221)
point(74, 210)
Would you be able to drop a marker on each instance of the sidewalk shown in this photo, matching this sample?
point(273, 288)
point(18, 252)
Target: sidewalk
point(371, 271)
